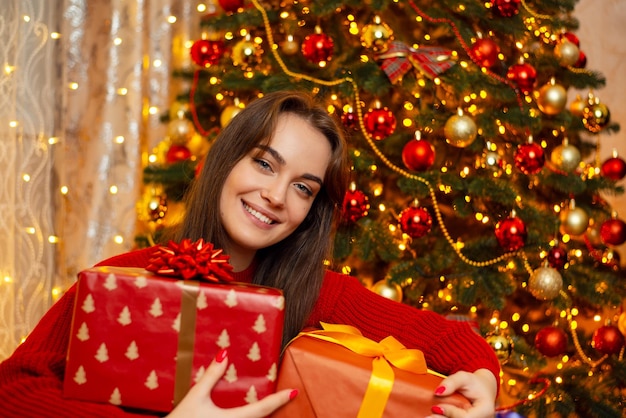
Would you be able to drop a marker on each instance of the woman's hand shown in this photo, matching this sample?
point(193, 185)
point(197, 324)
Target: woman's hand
point(198, 403)
point(480, 388)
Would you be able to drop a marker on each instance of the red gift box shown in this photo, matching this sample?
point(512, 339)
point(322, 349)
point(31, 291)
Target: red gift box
point(341, 374)
point(140, 340)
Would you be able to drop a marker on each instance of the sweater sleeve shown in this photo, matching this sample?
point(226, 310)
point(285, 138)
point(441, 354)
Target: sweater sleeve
point(31, 380)
point(448, 346)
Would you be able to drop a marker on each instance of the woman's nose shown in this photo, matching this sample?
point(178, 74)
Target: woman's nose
point(274, 193)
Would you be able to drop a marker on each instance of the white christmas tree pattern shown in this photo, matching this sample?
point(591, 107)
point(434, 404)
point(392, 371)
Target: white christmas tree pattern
point(176, 323)
point(231, 374)
point(259, 325)
point(88, 304)
point(80, 377)
point(102, 354)
point(223, 341)
point(141, 282)
point(251, 395)
point(156, 309)
point(272, 373)
point(201, 302)
point(231, 299)
point(111, 282)
point(83, 332)
point(116, 397)
point(199, 374)
point(255, 352)
point(152, 382)
point(280, 303)
point(132, 352)
point(124, 317)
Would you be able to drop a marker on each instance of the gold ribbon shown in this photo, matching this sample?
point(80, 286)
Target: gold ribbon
point(385, 353)
point(186, 339)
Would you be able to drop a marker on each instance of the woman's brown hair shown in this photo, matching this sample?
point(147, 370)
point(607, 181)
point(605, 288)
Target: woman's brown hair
point(296, 264)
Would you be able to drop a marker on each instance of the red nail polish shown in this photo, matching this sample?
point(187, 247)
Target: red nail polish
point(293, 394)
point(440, 390)
point(437, 410)
point(221, 355)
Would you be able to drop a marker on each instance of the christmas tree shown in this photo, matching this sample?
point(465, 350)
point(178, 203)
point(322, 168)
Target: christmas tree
point(476, 185)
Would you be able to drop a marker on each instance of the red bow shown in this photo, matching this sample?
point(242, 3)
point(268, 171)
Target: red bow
point(400, 58)
point(191, 260)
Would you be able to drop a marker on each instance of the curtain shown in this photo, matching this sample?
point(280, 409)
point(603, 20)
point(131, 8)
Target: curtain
point(83, 85)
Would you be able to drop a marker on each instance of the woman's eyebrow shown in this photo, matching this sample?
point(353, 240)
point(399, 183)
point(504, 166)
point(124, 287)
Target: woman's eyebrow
point(281, 161)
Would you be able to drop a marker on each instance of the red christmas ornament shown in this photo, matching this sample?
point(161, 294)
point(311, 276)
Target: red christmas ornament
point(607, 339)
point(177, 153)
point(379, 123)
point(506, 8)
point(485, 52)
point(511, 233)
point(205, 52)
point(571, 37)
point(613, 231)
point(231, 5)
point(614, 168)
point(355, 205)
point(318, 47)
point(415, 222)
point(551, 341)
point(418, 155)
point(349, 120)
point(529, 158)
point(582, 60)
point(523, 75)
point(557, 258)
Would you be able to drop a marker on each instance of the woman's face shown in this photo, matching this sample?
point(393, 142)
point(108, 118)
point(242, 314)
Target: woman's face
point(269, 192)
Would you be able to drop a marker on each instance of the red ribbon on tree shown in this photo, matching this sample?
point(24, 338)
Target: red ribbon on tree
point(191, 260)
point(400, 58)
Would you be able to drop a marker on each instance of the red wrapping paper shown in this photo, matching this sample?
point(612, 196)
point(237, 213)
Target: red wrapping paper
point(140, 340)
point(333, 380)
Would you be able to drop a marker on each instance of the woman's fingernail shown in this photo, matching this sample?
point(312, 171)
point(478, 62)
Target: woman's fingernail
point(437, 410)
point(440, 390)
point(221, 355)
point(293, 394)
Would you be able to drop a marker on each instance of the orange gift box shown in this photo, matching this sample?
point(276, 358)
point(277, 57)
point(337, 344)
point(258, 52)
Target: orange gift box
point(341, 374)
point(141, 340)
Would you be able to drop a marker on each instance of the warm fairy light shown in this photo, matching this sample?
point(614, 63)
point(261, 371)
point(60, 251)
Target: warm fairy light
point(13, 124)
point(213, 80)
point(171, 19)
point(501, 130)
point(26, 177)
point(597, 318)
point(515, 317)
point(117, 41)
point(525, 328)
point(73, 86)
point(473, 309)
point(26, 18)
point(565, 238)
point(407, 123)
point(482, 94)
point(493, 320)
point(392, 228)
point(8, 69)
point(346, 270)
point(353, 28)
point(119, 139)
point(53, 140)
point(421, 82)
point(574, 311)
point(558, 379)
point(219, 96)
point(201, 7)
point(229, 36)
point(64, 190)
point(56, 292)
point(504, 325)
point(30, 230)
point(55, 35)
point(402, 246)
point(511, 382)
point(157, 63)
point(152, 158)
point(122, 91)
point(113, 189)
point(52, 239)
point(153, 110)
point(8, 279)
point(118, 239)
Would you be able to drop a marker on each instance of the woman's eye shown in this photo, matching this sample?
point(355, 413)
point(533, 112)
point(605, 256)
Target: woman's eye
point(263, 164)
point(303, 188)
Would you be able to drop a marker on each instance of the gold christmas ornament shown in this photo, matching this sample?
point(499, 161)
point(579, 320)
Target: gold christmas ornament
point(545, 283)
point(552, 98)
point(376, 36)
point(621, 323)
point(595, 115)
point(566, 157)
point(388, 290)
point(577, 106)
point(245, 54)
point(290, 46)
point(180, 130)
point(567, 53)
point(460, 130)
point(574, 221)
point(228, 114)
point(198, 145)
point(502, 346)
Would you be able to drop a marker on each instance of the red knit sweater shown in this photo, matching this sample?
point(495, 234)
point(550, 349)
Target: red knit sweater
point(31, 380)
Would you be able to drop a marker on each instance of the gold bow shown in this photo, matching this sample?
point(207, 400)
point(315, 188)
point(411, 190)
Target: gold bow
point(385, 353)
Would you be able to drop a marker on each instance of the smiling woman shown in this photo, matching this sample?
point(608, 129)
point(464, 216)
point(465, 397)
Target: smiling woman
point(268, 194)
